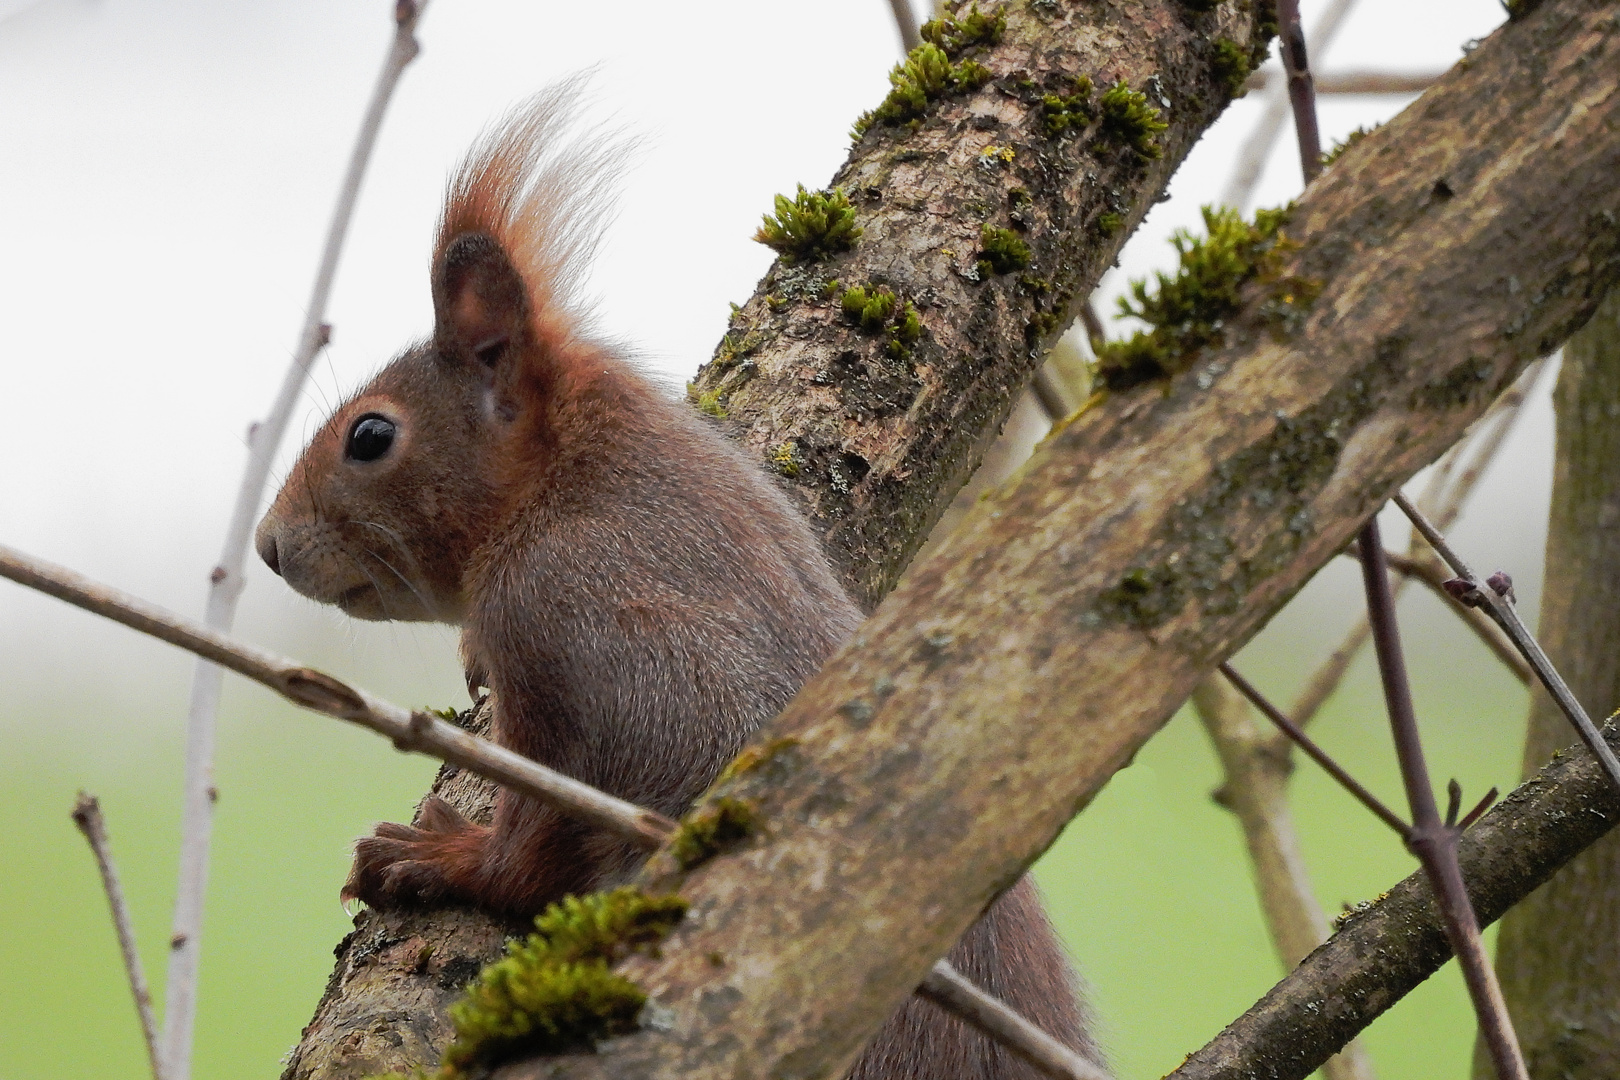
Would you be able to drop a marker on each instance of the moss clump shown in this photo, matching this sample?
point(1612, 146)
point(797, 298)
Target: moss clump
point(869, 307)
point(927, 74)
point(1129, 119)
point(811, 225)
point(1001, 251)
point(707, 402)
point(876, 309)
point(1110, 223)
point(556, 989)
point(709, 829)
point(953, 35)
point(1232, 65)
point(786, 459)
point(1349, 140)
point(1062, 112)
point(1187, 311)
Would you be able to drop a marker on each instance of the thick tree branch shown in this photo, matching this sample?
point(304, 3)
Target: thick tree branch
point(1000, 685)
point(879, 445)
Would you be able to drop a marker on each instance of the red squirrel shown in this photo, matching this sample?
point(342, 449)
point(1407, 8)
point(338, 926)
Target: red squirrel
point(638, 596)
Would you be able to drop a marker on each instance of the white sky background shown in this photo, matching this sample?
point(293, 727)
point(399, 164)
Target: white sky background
point(166, 174)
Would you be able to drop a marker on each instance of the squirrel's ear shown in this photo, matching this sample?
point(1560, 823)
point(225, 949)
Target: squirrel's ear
point(480, 304)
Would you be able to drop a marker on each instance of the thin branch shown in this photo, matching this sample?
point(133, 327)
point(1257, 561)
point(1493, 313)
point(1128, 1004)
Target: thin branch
point(1433, 840)
point(418, 732)
point(1301, 90)
point(1496, 596)
point(1257, 147)
point(1444, 494)
point(1433, 577)
point(1357, 82)
point(226, 579)
point(87, 816)
point(1317, 754)
point(949, 989)
point(1254, 788)
point(423, 733)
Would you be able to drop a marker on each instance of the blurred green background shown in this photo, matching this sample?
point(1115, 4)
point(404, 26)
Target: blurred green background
point(167, 174)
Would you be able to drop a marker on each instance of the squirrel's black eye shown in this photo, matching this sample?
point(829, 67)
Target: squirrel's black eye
point(370, 438)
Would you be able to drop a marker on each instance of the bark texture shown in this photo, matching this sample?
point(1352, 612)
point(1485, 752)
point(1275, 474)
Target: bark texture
point(884, 444)
point(996, 690)
point(1558, 955)
point(876, 447)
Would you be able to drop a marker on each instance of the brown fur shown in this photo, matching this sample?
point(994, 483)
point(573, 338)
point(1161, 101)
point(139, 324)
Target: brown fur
point(638, 596)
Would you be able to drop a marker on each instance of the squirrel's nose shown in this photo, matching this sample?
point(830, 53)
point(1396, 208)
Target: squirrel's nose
point(266, 543)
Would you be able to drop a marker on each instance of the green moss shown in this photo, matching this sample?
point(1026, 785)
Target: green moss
point(1265, 28)
point(1001, 251)
point(1062, 112)
point(556, 989)
point(786, 459)
point(877, 308)
point(1349, 140)
point(1127, 118)
point(752, 757)
point(871, 308)
point(927, 74)
point(953, 35)
point(812, 225)
point(1232, 65)
point(707, 402)
point(1187, 311)
point(1110, 223)
point(712, 827)
point(448, 713)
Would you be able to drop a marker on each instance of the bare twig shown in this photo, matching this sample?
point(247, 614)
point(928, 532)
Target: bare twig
point(1443, 496)
point(87, 816)
point(1434, 841)
point(1357, 82)
point(1433, 577)
point(1495, 595)
point(1251, 161)
point(1254, 787)
point(424, 733)
point(1317, 754)
point(949, 989)
point(226, 579)
point(411, 731)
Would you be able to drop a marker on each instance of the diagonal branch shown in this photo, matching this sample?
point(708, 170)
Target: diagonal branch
point(87, 816)
point(1005, 679)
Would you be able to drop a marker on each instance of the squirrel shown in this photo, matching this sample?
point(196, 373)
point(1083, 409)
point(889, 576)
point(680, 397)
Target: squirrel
point(637, 595)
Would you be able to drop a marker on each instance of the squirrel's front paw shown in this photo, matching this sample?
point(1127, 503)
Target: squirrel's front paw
point(437, 859)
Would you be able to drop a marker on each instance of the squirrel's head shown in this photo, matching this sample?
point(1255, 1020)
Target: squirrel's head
point(387, 509)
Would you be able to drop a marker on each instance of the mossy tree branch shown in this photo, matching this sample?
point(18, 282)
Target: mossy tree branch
point(995, 227)
point(1001, 684)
